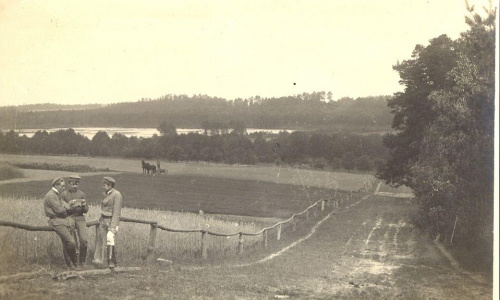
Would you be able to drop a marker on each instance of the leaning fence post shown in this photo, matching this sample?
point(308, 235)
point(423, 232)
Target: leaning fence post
point(152, 240)
point(278, 234)
point(203, 245)
point(264, 236)
point(240, 243)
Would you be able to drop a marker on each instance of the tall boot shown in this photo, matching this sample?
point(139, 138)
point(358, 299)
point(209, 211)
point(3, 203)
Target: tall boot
point(71, 249)
point(114, 257)
point(67, 259)
point(111, 264)
point(83, 254)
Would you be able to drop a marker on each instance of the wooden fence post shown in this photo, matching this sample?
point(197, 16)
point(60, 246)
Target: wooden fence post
point(99, 245)
point(264, 236)
point(203, 245)
point(278, 234)
point(240, 243)
point(323, 205)
point(454, 226)
point(152, 240)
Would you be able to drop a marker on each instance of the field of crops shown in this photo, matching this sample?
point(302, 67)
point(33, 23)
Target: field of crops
point(191, 194)
point(181, 200)
point(21, 249)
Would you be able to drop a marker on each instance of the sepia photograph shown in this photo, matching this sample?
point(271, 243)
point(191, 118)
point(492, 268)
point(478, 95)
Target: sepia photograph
point(249, 149)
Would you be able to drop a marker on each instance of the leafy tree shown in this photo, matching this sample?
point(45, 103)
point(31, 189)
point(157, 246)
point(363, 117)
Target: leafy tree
point(10, 142)
point(100, 144)
point(238, 127)
point(348, 161)
point(455, 171)
point(364, 163)
point(336, 163)
point(176, 153)
point(444, 150)
point(424, 73)
point(167, 129)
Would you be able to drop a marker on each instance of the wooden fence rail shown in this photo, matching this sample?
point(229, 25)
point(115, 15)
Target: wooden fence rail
point(154, 226)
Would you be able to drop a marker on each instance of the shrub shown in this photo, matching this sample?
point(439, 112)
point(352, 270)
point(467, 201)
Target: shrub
point(59, 167)
point(9, 172)
point(319, 163)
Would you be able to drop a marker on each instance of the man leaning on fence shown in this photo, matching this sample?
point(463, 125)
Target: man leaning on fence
point(57, 210)
point(78, 206)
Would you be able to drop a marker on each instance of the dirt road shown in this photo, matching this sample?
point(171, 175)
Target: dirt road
point(365, 251)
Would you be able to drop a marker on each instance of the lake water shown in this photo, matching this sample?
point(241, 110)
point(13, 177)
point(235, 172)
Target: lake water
point(128, 132)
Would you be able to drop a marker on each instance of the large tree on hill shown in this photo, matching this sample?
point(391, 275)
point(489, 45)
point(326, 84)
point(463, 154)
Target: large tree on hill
point(423, 73)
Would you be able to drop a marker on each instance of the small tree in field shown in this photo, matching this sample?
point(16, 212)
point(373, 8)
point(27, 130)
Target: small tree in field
point(348, 161)
point(364, 163)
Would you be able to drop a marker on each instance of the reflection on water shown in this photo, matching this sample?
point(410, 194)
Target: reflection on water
point(128, 132)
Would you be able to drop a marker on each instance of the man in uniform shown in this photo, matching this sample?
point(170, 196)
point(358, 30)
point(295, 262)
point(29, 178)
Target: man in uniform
point(111, 207)
point(78, 206)
point(57, 211)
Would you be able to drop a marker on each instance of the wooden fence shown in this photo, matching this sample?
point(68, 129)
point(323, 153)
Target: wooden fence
point(154, 226)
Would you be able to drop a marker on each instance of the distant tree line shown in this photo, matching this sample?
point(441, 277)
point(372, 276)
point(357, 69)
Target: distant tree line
point(318, 150)
point(300, 112)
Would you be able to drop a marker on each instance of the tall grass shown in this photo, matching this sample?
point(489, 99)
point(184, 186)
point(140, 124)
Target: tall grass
point(20, 249)
point(7, 171)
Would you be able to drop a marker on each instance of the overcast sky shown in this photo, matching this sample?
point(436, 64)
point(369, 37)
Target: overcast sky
point(78, 52)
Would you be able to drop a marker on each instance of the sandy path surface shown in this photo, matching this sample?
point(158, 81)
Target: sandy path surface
point(365, 251)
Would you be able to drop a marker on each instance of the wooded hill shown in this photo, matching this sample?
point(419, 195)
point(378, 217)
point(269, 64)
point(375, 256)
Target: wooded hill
point(303, 112)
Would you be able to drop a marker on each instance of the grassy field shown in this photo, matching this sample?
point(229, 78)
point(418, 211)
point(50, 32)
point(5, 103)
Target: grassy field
point(183, 193)
point(233, 199)
point(229, 205)
point(264, 173)
point(21, 249)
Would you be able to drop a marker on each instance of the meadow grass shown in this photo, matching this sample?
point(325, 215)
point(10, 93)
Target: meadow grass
point(59, 167)
point(21, 249)
point(263, 173)
point(184, 193)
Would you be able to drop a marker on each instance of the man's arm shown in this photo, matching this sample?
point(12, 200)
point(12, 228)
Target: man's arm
point(60, 208)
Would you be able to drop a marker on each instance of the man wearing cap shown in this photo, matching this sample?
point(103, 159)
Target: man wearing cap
point(111, 207)
point(78, 206)
point(57, 211)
